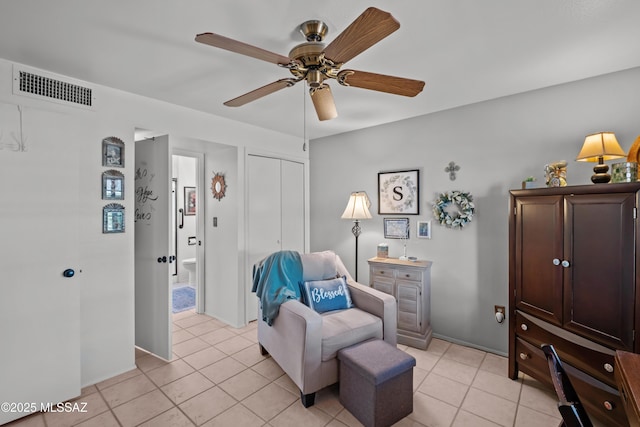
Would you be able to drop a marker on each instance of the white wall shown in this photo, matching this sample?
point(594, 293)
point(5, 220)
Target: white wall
point(496, 144)
point(107, 261)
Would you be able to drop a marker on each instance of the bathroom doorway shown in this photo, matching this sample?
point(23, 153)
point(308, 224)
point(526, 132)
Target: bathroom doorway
point(185, 238)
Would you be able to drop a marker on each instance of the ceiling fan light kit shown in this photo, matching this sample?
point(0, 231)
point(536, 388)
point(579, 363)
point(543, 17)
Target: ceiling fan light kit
point(314, 63)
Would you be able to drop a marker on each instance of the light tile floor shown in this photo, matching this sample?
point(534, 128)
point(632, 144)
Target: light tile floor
point(219, 378)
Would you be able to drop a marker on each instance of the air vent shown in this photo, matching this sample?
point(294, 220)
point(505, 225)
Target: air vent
point(37, 84)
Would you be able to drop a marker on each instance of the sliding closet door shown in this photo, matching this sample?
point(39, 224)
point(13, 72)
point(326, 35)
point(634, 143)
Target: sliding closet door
point(275, 211)
point(292, 202)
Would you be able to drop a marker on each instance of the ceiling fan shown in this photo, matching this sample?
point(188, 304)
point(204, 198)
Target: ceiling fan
point(315, 63)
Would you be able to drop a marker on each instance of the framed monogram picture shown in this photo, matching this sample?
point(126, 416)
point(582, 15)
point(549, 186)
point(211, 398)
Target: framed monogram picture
point(399, 192)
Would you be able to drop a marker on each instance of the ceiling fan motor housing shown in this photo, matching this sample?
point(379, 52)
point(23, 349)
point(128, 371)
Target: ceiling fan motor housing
point(314, 30)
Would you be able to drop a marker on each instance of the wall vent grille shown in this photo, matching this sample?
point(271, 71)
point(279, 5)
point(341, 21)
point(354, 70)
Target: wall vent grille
point(40, 85)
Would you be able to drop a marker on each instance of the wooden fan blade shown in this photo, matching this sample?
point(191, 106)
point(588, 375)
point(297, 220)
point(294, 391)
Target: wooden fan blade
point(368, 29)
point(260, 92)
point(236, 46)
point(380, 82)
point(323, 102)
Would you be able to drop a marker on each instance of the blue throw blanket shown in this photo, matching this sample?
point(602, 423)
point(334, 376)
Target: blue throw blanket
point(275, 280)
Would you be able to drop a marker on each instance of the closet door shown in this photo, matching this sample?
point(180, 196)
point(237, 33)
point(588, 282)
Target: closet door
point(40, 304)
point(292, 202)
point(264, 217)
point(275, 211)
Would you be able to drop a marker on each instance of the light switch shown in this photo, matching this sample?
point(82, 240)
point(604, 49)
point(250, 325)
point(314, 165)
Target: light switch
point(215, 221)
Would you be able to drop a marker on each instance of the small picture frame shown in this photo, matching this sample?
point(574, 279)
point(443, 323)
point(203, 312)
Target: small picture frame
point(189, 200)
point(396, 228)
point(113, 218)
point(113, 152)
point(112, 185)
point(424, 229)
point(399, 192)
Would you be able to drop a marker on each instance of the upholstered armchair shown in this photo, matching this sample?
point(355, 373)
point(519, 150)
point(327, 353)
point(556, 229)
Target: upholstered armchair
point(305, 343)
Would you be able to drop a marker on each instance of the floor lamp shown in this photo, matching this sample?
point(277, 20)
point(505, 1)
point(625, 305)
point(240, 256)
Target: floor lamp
point(357, 209)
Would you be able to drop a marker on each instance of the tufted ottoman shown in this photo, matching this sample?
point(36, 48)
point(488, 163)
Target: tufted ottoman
point(376, 382)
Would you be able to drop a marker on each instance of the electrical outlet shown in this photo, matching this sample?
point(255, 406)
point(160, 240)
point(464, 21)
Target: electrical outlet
point(499, 309)
point(500, 313)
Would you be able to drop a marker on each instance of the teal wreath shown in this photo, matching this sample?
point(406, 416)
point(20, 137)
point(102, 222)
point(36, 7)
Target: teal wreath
point(463, 200)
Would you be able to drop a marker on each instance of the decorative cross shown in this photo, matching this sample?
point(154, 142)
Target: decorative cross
point(452, 169)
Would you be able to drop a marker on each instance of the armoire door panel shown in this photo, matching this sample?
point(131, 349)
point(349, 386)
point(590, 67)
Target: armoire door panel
point(600, 280)
point(538, 242)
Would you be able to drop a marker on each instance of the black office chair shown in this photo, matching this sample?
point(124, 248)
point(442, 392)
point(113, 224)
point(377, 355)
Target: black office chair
point(572, 412)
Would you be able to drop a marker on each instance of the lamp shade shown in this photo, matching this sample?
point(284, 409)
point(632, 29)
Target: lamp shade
point(600, 145)
point(358, 206)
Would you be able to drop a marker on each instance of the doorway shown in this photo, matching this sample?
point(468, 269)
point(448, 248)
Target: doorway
point(184, 233)
point(154, 236)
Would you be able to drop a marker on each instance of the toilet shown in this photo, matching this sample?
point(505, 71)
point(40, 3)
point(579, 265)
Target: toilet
point(190, 265)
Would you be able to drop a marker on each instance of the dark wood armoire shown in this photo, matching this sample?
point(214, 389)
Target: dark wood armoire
point(572, 283)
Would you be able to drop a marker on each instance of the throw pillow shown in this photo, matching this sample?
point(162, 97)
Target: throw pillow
point(326, 295)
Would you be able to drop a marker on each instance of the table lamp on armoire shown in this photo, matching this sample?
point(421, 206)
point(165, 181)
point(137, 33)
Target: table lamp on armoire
point(357, 209)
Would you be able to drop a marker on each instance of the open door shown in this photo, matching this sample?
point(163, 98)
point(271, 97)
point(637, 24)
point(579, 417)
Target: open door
point(152, 248)
point(40, 303)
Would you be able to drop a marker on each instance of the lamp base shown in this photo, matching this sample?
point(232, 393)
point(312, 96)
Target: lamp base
point(600, 176)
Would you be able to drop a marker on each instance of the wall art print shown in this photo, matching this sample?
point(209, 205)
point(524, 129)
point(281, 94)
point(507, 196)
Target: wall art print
point(113, 152)
point(112, 185)
point(399, 192)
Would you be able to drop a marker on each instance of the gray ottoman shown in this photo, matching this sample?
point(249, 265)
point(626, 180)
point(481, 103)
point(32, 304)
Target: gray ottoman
point(376, 382)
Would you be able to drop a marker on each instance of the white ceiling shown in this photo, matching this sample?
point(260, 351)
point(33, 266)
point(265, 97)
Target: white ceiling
point(465, 50)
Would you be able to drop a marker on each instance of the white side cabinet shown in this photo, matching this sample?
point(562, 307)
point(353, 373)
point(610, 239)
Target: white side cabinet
point(410, 283)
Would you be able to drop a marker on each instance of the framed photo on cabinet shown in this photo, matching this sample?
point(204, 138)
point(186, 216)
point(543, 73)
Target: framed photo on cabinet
point(399, 192)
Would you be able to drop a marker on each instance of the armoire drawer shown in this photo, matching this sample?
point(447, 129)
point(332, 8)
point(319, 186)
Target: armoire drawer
point(592, 358)
point(600, 400)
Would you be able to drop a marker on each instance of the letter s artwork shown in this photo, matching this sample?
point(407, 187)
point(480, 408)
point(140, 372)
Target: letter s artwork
point(398, 192)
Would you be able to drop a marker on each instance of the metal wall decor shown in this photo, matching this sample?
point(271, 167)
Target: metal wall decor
point(218, 186)
point(451, 170)
point(113, 152)
point(112, 185)
point(113, 218)
point(399, 192)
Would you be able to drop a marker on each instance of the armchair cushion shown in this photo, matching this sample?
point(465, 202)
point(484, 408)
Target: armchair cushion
point(319, 265)
point(326, 295)
point(344, 328)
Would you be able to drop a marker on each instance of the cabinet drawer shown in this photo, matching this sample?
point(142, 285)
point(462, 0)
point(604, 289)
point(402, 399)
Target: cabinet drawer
point(413, 275)
point(594, 359)
point(382, 271)
point(600, 400)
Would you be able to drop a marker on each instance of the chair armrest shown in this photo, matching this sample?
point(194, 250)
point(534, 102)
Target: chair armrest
point(379, 304)
point(294, 340)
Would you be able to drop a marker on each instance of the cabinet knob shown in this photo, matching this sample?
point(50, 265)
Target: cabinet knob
point(608, 367)
point(609, 406)
point(524, 327)
point(524, 356)
point(556, 261)
point(381, 271)
point(565, 263)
